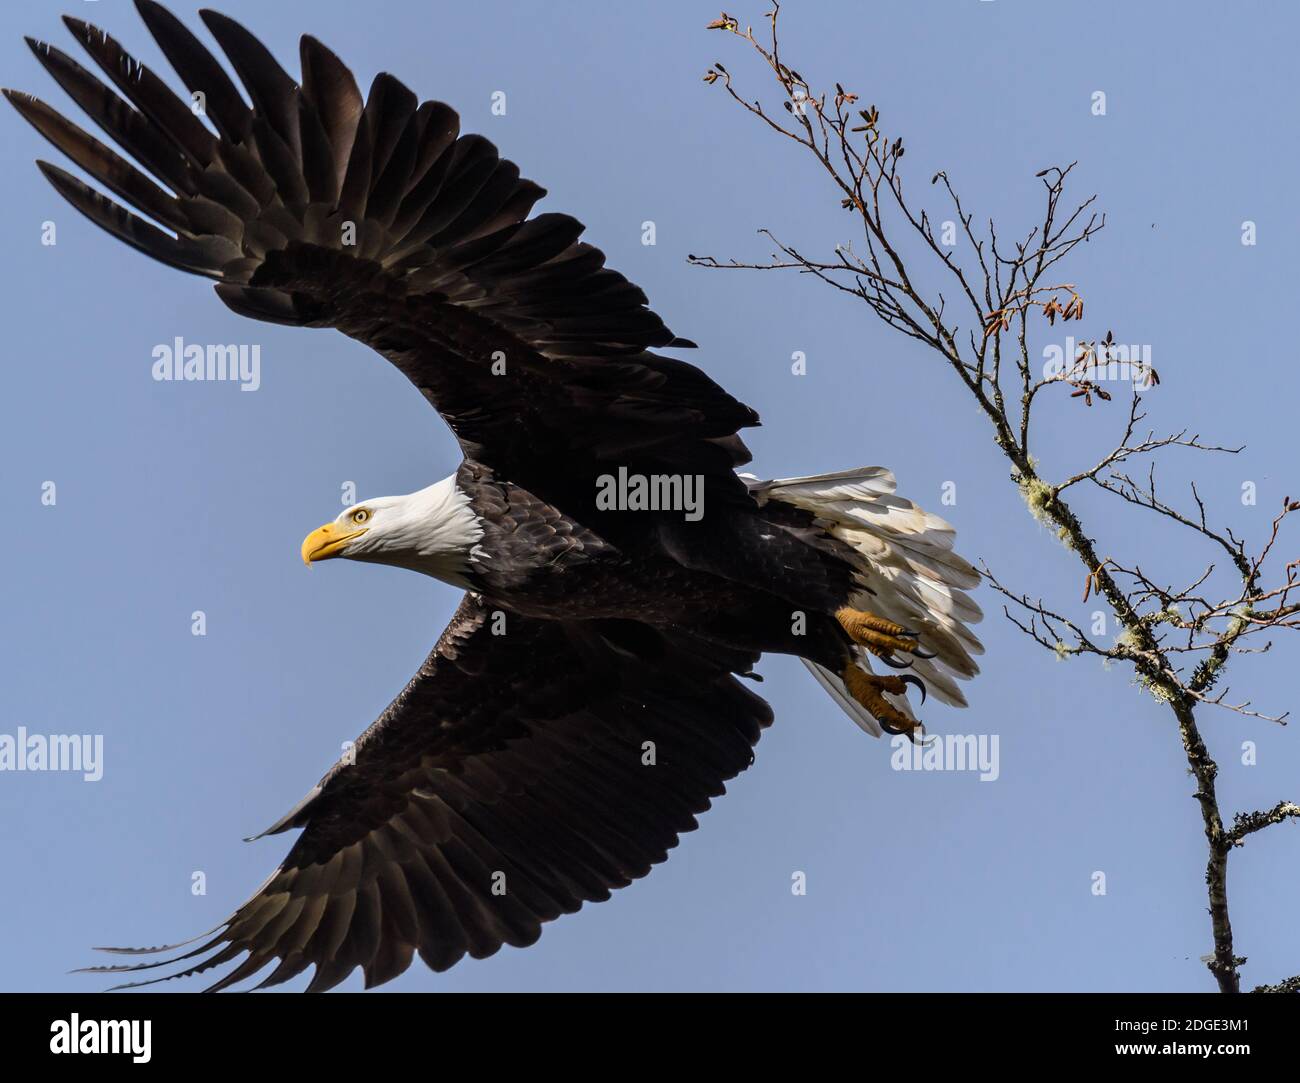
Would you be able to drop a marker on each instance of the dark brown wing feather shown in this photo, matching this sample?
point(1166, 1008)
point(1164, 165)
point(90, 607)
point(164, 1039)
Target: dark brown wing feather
point(516, 760)
point(314, 206)
point(520, 755)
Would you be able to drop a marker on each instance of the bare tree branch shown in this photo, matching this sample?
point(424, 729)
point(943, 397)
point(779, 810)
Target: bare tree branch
point(1177, 639)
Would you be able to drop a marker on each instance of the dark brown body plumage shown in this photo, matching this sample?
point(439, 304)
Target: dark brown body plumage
point(563, 758)
point(737, 577)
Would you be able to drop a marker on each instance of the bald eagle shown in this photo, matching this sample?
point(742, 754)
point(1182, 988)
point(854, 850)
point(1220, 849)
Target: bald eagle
point(582, 708)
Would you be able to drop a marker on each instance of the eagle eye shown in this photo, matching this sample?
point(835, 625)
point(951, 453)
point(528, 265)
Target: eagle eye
point(360, 515)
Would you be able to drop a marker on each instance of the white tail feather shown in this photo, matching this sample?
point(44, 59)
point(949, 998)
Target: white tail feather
point(840, 695)
point(907, 568)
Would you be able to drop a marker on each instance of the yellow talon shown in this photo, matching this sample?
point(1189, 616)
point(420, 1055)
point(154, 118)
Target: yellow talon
point(881, 637)
point(867, 689)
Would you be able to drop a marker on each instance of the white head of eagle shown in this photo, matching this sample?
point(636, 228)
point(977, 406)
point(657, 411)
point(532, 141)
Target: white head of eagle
point(434, 531)
point(629, 620)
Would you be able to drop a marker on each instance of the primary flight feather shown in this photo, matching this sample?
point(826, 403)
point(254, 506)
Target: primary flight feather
point(582, 707)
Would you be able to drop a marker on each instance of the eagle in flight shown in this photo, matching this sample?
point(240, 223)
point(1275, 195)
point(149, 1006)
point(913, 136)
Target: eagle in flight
point(582, 708)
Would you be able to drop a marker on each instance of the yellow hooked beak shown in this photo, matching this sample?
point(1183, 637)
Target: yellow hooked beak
point(326, 541)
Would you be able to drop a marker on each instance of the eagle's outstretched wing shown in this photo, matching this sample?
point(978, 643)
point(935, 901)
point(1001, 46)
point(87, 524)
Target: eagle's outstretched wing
point(517, 776)
point(313, 206)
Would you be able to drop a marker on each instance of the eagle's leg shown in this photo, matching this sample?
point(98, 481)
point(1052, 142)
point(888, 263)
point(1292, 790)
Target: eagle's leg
point(868, 688)
point(881, 637)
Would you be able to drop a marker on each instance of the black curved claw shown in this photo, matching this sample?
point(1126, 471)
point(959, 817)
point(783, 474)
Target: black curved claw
point(923, 654)
point(916, 734)
point(894, 663)
point(910, 635)
point(911, 679)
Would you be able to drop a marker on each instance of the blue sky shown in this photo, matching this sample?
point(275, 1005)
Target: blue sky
point(173, 498)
